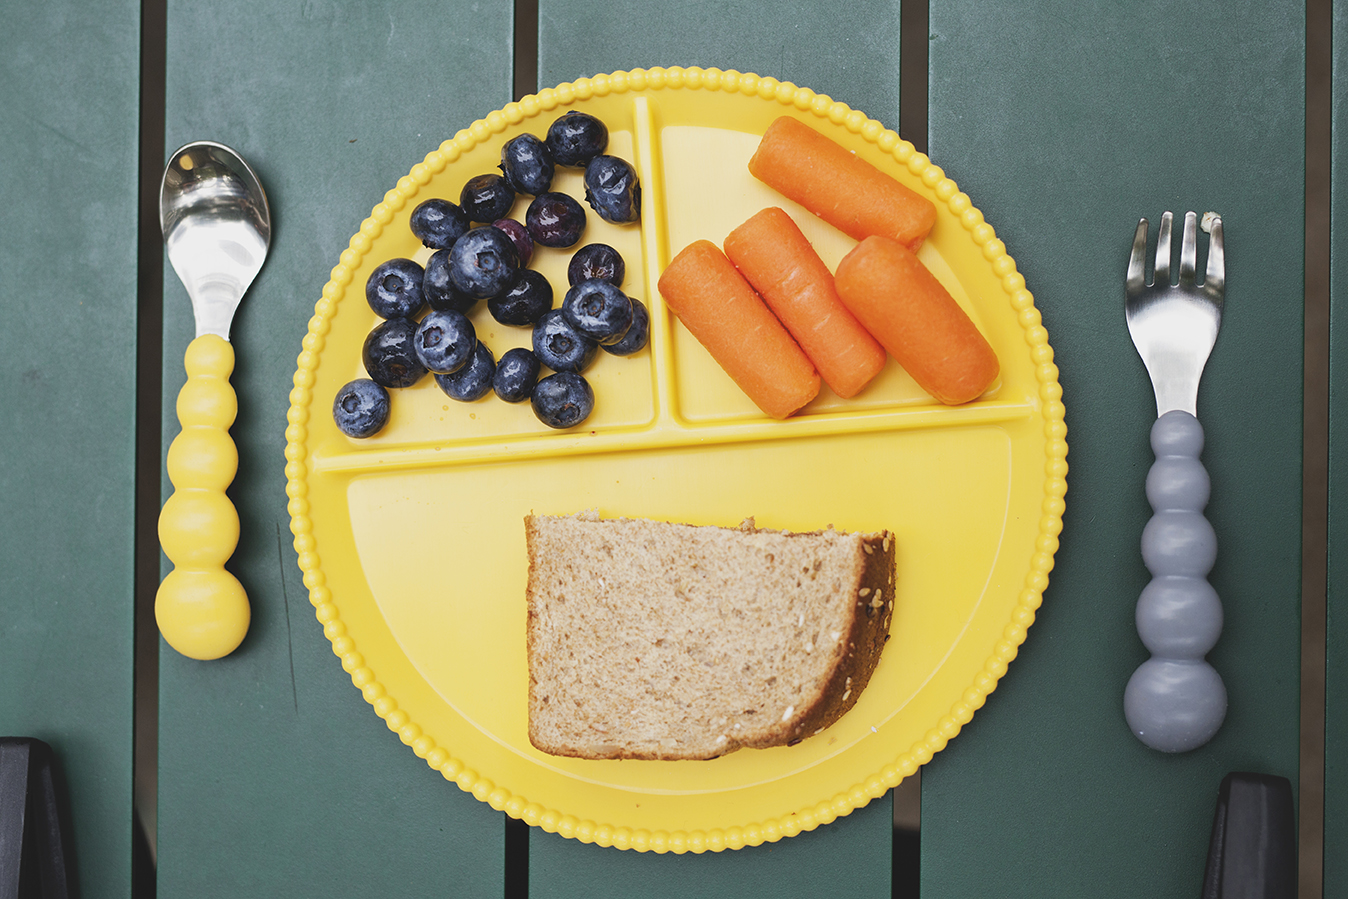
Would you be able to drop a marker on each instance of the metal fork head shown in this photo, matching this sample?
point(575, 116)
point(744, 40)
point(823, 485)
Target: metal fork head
point(1174, 325)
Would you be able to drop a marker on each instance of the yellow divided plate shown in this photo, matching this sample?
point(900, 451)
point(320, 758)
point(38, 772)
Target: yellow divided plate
point(412, 542)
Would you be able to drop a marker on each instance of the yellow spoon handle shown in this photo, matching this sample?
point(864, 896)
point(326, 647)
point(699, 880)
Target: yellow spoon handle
point(201, 608)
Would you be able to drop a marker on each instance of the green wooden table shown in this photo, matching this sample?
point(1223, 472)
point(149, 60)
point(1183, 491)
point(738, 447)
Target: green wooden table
point(1065, 121)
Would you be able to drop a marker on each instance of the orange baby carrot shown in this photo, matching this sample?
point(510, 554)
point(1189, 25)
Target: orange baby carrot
point(838, 186)
point(891, 292)
point(778, 261)
point(722, 311)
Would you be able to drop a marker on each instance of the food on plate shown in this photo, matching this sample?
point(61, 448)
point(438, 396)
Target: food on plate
point(360, 408)
point(596, 260)
point(838, 186)
point(598, 310)
point(486, 198)
point(914, 317)
point(519, 236)
point(613, 190)
point(637, 336)
point(437, 223)
point(444, 341)
point(516, 374)
point(473, 380)
point(723, 312)
point(560, 346)
point(527, 165)
point(562, 400)
point(781, 265)
point(483, 262)
point(575, 138)
point(555, 220)
point(650, 640)
point(393, 289)
point(389, 355)
point(439, 290)
point(524, 302)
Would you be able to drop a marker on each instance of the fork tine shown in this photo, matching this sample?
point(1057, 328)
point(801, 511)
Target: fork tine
point(1162, 276)
point(1137, 261)
point(1189, 250)
point(1214, 280)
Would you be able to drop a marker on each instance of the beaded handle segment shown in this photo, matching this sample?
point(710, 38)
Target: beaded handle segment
point(202, 609)
point(1176, 701)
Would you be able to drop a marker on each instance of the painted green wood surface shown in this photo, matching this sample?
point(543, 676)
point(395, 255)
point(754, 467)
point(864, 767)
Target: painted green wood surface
point(1336, 637)
point(68, 137)
point(797, 42)
point(275, 775)
point(1066, 122)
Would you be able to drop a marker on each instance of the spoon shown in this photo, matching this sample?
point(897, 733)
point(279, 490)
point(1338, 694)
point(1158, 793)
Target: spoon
point(217, 229)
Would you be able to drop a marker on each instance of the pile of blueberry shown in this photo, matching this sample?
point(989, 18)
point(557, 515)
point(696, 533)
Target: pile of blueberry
point(480, 254)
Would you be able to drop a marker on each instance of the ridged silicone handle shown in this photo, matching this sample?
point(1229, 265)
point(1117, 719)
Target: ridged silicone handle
point(1176, 701)
point(202, 609)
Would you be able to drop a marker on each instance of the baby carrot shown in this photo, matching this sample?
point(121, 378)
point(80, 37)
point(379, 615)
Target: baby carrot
point(779, 262)
point(913, 316)
point(722, 311)
point(838, 186)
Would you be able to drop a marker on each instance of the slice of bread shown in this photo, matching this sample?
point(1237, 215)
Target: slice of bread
point(649, 640)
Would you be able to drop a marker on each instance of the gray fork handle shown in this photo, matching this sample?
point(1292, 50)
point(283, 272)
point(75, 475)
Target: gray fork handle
point(1175, 701)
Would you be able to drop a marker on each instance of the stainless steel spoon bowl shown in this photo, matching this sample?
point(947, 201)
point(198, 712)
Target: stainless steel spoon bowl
point(217, 229)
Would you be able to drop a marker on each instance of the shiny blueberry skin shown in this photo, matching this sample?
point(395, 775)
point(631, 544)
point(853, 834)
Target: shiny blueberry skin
point(438, 223)
point(516, 375)
point(360, 408)
point(561, 347)
point(598, 310)
point(612, 189)
point(519, 236)
point(486, 198)
point(444, 341)
point(394, 289)
point(439, 290)
point(527, 165)
point(389, 356)
point(555, 220)
point(524, 302)
point(596, 260)
point(563, 400)
point(576, 138)
point(637, 336)
point(473, 381)
point(483, 262)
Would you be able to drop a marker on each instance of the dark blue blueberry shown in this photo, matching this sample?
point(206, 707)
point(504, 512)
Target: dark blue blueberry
point(576, 138)
point(516, 375)
point(555, 220)
point(444, 341)
point(527, 165)
point(612, 189)
point(598, 310)
point(524, 302)
point(473, 381)
point(438, 223)
point(394, 289)
point(563, 400)
point(360, 408)
point(486, 198)
point(561, 347)
point(519, 236)
point(596, 260)
point(483, 262)
point(389, 356)
point(439, 290)
point(637, 336)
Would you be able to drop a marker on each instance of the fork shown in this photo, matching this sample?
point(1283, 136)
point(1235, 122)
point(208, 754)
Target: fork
point(1175, 701)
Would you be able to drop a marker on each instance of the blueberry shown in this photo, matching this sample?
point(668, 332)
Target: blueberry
point(389, 357)
point(360, 408)
point(576, 138)
point(523, 302)
point(486, 198)
point(563, 400)
point(438, 223)
point(444, 341)
point(483, 262)
point(598, 310)
point(527, 165)
point(519, 236)
point(473, 381)
point(596, 260)
point(561, 347)
point(612, 189)
point(394, 289)
point(555, 220)
point(439, 290)
point(516, 375)
point(637, 336)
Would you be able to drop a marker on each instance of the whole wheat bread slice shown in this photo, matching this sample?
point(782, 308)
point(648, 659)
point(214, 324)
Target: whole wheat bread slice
point(649, 640)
